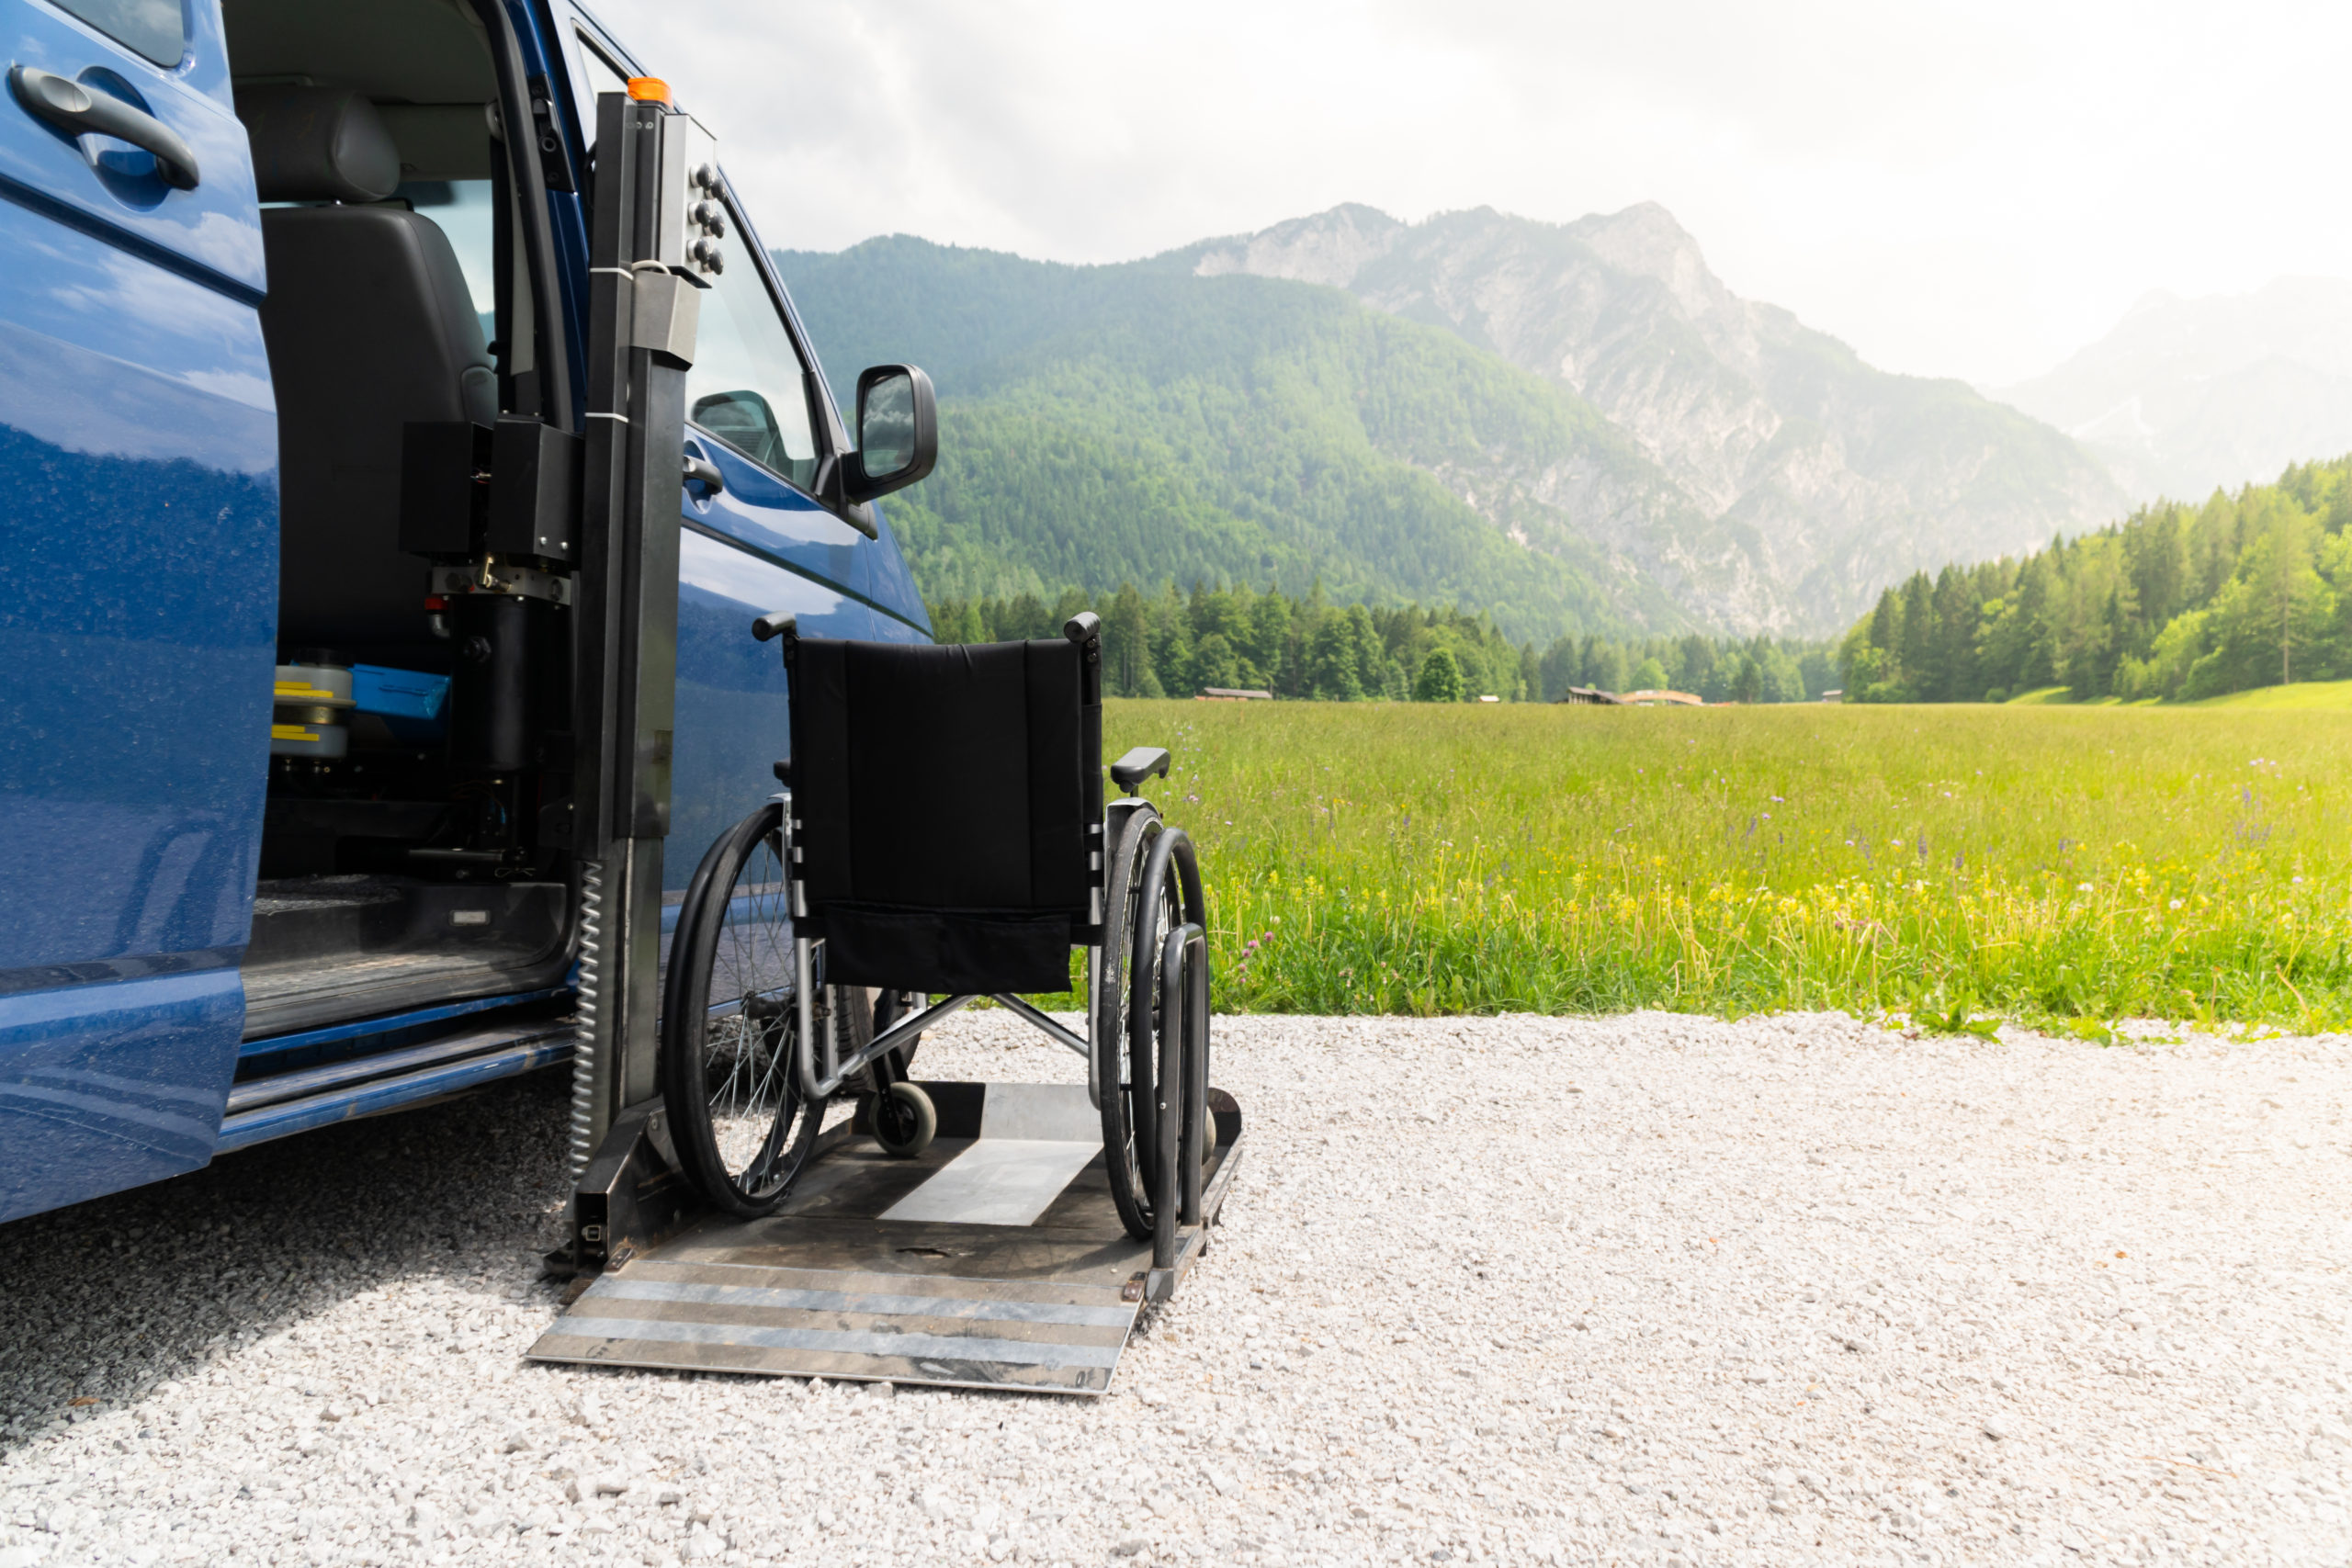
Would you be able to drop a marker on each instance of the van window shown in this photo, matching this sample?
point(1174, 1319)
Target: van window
point(748, 388)
point(603, 76)
point(154, 27)
point(465, 210)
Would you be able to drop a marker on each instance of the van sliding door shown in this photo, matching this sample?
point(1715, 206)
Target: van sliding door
point(138, 593)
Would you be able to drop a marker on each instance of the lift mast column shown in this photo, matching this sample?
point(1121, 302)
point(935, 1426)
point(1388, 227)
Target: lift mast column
point(653, 249)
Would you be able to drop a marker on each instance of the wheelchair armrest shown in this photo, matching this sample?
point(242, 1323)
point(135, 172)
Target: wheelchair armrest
point(1129, 772)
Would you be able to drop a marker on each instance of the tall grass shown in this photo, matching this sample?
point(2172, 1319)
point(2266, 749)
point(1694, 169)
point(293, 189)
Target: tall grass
point(2046, 863)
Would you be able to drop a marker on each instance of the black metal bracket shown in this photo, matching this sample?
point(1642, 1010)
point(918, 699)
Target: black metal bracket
point(632, 1195)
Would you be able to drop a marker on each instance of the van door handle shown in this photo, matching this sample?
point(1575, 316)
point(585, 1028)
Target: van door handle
point(701, 471)
point(68, 106)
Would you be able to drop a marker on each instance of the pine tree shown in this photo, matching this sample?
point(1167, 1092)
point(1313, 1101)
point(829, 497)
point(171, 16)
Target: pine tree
point(1440, 680)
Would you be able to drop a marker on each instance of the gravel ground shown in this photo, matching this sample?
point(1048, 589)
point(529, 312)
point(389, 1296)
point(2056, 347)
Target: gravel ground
point(1649, 1289)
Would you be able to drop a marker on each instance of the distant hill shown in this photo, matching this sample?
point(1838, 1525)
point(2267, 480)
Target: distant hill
point(1118, 424)
point(2186, 395)
point(1574, 428)
point(1811, 478)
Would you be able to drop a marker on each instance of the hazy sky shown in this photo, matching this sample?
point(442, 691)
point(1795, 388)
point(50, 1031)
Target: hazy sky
point(1972, 190)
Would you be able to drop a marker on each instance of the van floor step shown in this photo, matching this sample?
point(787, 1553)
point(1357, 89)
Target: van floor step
point(303, 1082)
point(326, 1100)
point(326, 949)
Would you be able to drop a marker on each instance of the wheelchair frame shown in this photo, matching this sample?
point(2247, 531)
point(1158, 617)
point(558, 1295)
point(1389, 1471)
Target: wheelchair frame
point(1175, 1146)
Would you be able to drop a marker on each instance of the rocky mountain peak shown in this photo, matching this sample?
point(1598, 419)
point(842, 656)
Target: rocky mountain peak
point(1329, 248)
point(1645, 240)
point(1815, 477)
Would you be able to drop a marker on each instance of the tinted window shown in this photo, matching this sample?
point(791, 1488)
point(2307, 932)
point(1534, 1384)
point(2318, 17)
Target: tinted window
point(747, 387)
point(602, 74)
point(153, 28)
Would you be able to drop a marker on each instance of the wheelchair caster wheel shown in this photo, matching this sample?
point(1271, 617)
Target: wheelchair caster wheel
point(905, 1121)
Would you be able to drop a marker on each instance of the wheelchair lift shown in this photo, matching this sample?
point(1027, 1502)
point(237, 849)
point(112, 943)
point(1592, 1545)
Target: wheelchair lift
point(993, 1260)
point(995, 1256)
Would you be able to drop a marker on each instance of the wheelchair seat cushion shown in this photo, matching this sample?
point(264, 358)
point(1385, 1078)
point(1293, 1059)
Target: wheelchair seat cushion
point(941, 794)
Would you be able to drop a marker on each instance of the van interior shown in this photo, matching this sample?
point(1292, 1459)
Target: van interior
point(402, 858)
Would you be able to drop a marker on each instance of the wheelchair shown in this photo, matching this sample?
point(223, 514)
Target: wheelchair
point(943, 834)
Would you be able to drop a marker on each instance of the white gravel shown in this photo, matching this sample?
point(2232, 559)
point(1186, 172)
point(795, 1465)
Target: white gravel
point(1647, 1290)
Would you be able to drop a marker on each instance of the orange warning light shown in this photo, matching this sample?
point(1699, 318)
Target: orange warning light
point(648, 90)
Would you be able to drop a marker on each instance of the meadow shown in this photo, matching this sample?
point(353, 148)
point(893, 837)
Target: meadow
point(2056, 865)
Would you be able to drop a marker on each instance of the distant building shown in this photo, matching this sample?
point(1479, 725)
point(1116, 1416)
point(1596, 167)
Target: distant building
point(1486, 698)
point(1835, 694)
point(1233, 695)
point(1590, 694)
point(1662, 699)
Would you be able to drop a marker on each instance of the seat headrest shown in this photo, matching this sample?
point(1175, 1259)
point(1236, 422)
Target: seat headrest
point(318, 144)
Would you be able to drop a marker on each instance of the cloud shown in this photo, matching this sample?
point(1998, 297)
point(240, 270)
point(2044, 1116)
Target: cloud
point(1967, 189)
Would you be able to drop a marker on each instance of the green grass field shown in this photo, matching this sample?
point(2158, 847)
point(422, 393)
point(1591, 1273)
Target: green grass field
point(2306, 697)
point(2058, 865)
point(2303, 697)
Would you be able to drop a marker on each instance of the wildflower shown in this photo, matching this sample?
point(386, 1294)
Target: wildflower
point(1896, 842)
point(2175, 903)
point(1778, 801)
point(2298, 879)
point(2082, 887)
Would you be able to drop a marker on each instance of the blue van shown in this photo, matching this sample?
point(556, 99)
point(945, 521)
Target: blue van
point(292, 763)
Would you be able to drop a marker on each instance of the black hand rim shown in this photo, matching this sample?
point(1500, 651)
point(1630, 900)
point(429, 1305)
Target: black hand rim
point(746, 964)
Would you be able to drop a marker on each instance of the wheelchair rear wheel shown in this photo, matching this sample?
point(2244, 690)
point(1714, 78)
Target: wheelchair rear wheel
point(730, 1027)
point(1127, 1023)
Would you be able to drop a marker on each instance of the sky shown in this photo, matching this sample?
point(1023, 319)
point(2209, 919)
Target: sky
point(1973, 190)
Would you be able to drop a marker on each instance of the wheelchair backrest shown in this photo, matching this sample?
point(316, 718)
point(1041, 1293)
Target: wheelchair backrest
point(944, 778)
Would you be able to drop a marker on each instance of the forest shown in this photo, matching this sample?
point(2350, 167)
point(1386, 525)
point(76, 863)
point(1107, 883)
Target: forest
point(1175, 643)
point(2176, 603)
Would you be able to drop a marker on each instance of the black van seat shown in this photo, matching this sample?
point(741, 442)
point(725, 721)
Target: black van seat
point(369, 326)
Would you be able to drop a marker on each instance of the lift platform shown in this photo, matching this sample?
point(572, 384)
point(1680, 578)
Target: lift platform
point(993, 1260)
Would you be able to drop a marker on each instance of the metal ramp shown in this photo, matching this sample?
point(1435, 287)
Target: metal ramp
point(994, 1260)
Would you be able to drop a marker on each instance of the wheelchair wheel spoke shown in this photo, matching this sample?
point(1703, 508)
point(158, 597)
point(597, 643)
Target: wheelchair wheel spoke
point(728, 1073)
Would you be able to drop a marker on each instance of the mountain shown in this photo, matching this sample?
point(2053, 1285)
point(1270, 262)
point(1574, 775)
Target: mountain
point(1811, 478)
point(1573, 426)
point(2187, 395)
point(1127, 423)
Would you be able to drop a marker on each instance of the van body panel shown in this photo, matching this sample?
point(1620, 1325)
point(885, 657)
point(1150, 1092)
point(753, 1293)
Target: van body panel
point(890, 582)
point(106, 1086)
point(137, 604)
point(108, 188)
point(763, 513)
point(733, 725)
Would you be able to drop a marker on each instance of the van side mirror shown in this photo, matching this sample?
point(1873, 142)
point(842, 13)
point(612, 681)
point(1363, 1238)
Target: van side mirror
point(898, 432)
